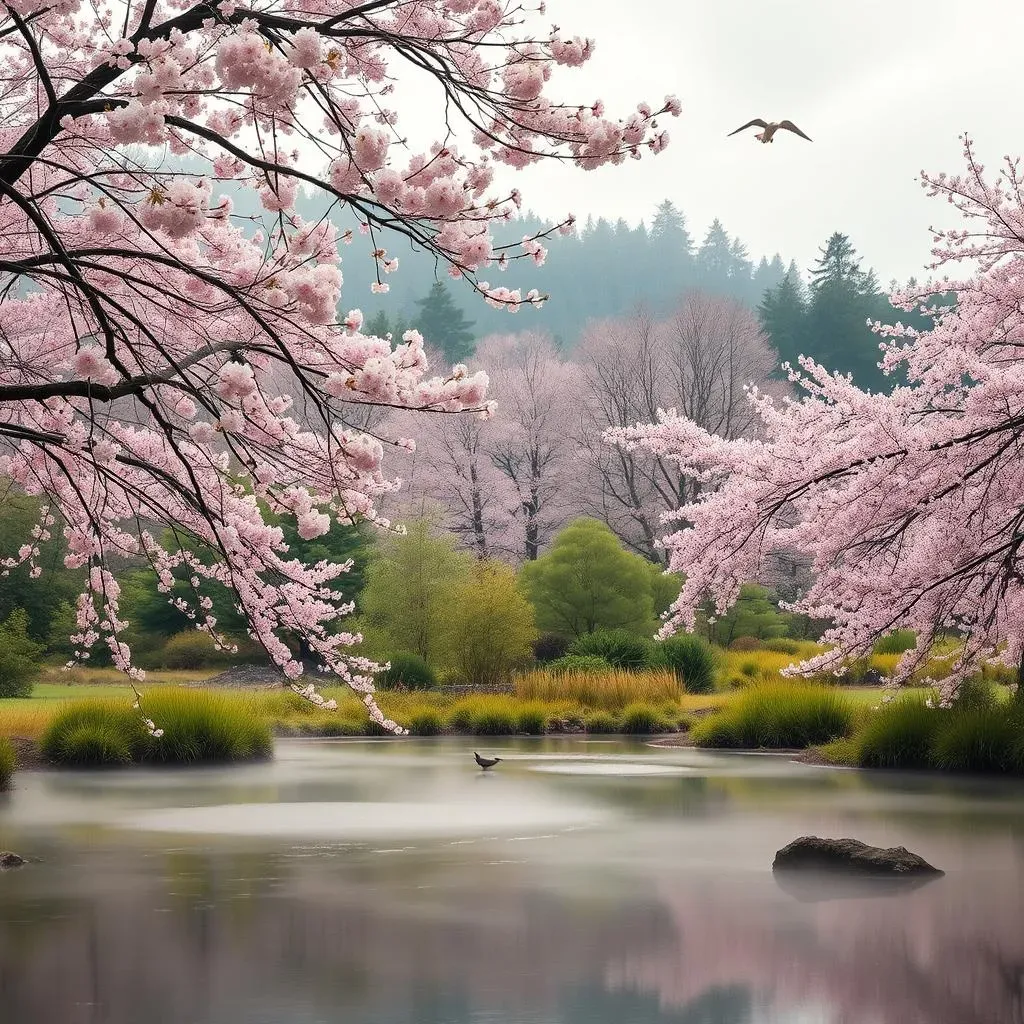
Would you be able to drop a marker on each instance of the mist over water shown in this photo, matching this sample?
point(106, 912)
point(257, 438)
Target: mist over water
point(579, 881)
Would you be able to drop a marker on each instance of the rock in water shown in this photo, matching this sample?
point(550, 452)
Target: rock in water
point(10, 860)
point(850, 856)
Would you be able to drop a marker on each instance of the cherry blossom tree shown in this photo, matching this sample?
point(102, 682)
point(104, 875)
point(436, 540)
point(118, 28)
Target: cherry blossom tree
point(698, 361)
point(451, 473)
point(910, 505)
point(143, 325)
point(531, 443)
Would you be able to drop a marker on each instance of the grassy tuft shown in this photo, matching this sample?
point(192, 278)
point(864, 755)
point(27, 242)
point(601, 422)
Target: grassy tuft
point(641, 719)
point(896, 642)
point(533, 719)
point(425, 722)
point(7, 762)
point(199, 725)
point(778, 715)
point(977, 739)
point(203, 725)
point(844, 752)
point(898, 735)
point(692, 660)
point(494, 720)
point(95, 733)
point(601, 722)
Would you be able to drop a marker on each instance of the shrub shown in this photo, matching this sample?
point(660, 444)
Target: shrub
point(600, 722)
point(408, 670)
point(7, 762)
point(745, 643)
point(896, 642)
point(692, 660)
point(581, 663)
point(587, 581)
point(94, 733)
point(19, 656)
point(977, 739)
point(201, 725)
point(191, 649)
point(611, 689)
point(778, 715)
point(494, 720)
point(899, 735)
point(640, 719)
point(489, 624)
point(533, 719)
point(618, 647)
point(426, 722)
point(550, 647)
point(782, 645)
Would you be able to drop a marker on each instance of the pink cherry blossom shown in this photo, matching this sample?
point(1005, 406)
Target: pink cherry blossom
point(178, 359)
point(906, 505)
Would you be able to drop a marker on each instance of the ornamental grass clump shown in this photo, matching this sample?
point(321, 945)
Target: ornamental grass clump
point(978, 739)
point(692, 660)
point(899, 735)
point(778, 715)
point(609, 689)
point(202, 725)
point(425, 722)
point(95, 733)
point(641, 719)
point(192, 726)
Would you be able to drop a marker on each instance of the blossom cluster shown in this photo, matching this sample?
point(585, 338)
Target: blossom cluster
point(173, 367)
point(907, 504)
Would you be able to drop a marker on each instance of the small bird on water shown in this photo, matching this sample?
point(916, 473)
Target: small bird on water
point(769, 128)
point(485, 762)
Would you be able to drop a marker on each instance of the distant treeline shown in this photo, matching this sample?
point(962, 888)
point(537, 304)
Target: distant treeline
point(604, 270)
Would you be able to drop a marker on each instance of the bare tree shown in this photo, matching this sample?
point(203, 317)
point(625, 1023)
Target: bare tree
point(532, 439)
point(699, 361)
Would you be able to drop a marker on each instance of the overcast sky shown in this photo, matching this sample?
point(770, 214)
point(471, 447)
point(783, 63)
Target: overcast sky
point(884, 87)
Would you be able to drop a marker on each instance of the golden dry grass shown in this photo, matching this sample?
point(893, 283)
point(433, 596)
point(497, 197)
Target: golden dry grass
point(610, 691)
point(82, 676)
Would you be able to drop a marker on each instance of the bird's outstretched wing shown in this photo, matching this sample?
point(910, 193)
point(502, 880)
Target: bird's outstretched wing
point(789, 126)
point(759, 122)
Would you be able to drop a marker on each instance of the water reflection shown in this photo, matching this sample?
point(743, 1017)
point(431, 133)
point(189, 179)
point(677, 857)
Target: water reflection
point(385, 882)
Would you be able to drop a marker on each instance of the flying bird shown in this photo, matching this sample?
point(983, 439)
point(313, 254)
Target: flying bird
point(485, 762)
point(770, 128)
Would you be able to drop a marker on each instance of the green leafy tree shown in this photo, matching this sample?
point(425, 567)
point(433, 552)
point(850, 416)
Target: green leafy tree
point(380, 325)
point(154, 618)
point(715, 258)
point(444, 325)
point(409, 595)
point(755, 613)
point(587, 581)
point(19, 656)
point(783, 315)
point(41, 597)
point(490, 626)
point(843, 296)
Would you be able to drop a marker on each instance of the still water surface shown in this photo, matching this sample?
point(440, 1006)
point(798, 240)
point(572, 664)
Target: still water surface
point(578, 883)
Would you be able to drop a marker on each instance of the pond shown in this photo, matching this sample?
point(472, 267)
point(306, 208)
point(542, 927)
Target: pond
point(579, 882)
